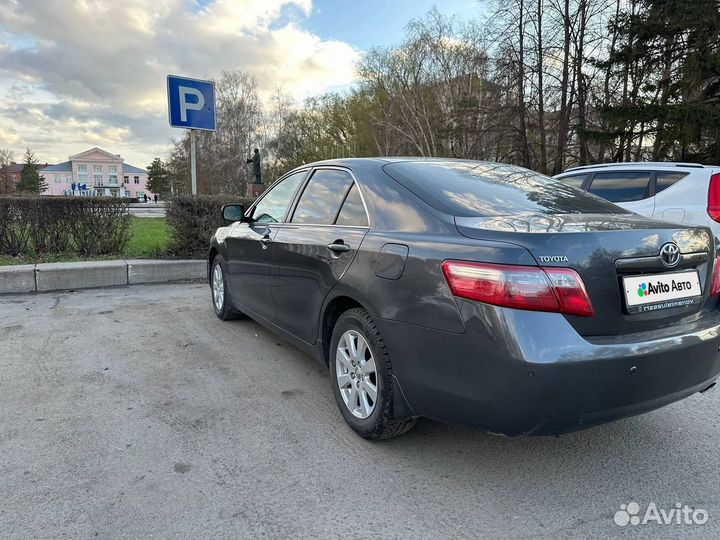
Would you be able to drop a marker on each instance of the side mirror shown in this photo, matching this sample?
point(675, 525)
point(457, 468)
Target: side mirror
point(233, 212)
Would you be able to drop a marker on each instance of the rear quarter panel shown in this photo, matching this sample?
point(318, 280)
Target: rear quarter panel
point(685, 202)
point(420, 296)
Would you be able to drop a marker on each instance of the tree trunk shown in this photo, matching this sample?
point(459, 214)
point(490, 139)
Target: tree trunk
point(541, 91)
point(564, 121)
point(606, 86)
point(658, 147)
point(523, 141)
point(582, 90)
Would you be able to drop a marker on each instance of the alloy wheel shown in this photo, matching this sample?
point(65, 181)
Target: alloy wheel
point(356, 374)
point(218, 287)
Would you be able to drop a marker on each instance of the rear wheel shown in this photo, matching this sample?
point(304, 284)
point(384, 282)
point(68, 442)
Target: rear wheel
point(362, 377)
point(219, 291)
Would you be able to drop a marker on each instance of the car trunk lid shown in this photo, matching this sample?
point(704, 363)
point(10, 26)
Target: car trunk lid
point(616, 255)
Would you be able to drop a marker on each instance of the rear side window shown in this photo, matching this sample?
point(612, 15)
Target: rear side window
point(471, 188)
point(621, 186)
point(575, 180)
point(353, 210)
point(664, 180)
point(321, 200)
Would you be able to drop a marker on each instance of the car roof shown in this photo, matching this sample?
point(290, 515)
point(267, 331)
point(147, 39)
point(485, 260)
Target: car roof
point(382, 160)
point(632, 164)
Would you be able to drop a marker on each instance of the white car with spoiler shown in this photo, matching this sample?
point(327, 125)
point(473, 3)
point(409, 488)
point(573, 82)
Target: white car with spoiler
point(685, 193)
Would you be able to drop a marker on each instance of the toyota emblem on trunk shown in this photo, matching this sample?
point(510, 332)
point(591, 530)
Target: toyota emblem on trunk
point(670, 254)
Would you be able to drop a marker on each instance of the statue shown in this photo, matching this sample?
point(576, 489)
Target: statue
point(255, 160)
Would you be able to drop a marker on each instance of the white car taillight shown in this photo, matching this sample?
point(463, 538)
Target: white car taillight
point(713, 203)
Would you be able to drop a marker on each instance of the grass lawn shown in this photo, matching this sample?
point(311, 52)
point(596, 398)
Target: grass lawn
point(149, 239)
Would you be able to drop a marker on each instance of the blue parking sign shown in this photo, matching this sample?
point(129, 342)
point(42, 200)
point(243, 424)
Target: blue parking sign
point(191, 103)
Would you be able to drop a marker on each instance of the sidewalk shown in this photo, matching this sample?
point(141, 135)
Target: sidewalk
point(147, 210)
point(27, 278)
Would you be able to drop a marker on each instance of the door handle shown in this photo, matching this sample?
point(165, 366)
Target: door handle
point(338, 247)
point(265, 241)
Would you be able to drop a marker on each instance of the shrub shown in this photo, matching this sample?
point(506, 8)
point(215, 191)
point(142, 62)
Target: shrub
point(193, 219)
point(53, 225)
point(100, 229)
point(15, 225)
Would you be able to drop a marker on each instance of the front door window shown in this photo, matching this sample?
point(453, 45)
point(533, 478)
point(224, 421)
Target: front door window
point(274, 204)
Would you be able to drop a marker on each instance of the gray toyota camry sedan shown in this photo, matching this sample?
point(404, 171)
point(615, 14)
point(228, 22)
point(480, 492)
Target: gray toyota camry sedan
point(474, 293)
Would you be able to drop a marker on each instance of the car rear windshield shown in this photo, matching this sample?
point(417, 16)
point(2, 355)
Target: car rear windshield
point(471, 188)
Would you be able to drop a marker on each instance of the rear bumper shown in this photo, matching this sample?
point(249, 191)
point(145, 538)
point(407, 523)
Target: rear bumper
point(520, 372)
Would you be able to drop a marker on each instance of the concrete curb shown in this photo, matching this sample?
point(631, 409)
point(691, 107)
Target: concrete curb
point(91, 274)
point(80, 275)
point(144, 271)
point(20, 278)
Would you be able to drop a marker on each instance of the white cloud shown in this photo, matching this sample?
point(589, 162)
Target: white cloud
point(92, 72)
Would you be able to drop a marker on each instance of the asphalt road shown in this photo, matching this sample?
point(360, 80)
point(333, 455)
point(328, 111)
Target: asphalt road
point(134, 412)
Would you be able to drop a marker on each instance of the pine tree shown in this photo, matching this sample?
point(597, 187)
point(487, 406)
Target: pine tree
point(158, 181)
point(31, 181)
point(669, 50)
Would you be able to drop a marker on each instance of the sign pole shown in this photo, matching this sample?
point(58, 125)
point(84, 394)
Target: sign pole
point(191, 105)
point(193, 173)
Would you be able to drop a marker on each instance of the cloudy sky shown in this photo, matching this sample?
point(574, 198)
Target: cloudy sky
point(81, 73)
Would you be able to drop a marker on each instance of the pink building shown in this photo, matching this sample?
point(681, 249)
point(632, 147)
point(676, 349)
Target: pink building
point(96, 173)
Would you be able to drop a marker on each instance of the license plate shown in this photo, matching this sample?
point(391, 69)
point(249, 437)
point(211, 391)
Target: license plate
point(662, 291)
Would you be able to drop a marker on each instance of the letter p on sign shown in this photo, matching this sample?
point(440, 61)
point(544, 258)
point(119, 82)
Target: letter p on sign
point(199, 103)
point(191, 103)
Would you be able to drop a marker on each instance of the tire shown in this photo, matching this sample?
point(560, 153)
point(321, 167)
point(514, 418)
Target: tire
point(353, 384)
point(222, 305)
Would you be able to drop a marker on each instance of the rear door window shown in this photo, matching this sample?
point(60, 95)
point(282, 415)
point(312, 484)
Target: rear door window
point(471, 188)
point(576, 180)
point(665, 179)
point(620, 186)
point(323, 195)
point(353, 210)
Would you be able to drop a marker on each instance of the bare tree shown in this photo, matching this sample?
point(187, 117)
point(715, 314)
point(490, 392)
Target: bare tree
point(543, 83)
point(429, 94)
point(6, 158)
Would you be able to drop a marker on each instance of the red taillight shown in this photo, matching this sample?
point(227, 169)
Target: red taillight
point(521, 287)
point(716, 278)
point(570, 290)
point(713, 208)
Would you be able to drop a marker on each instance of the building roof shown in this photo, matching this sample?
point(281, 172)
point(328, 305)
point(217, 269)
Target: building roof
point(13, 168)
point(66, 166)
point(129, 169)
point(94, 152)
